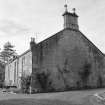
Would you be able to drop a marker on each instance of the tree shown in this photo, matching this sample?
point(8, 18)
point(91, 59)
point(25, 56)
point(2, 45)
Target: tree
point(8, 53)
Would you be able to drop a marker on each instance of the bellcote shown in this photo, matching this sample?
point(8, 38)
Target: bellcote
point(70, 19)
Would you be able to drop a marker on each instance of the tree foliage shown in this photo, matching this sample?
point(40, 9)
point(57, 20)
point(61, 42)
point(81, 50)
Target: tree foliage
point(25, 83)
point(8, 53)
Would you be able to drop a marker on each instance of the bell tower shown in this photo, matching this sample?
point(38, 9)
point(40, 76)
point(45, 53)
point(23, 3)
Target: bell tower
point(70, 18)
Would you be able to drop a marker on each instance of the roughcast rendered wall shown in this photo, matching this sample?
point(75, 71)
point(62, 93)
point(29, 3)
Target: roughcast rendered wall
point(68, 60)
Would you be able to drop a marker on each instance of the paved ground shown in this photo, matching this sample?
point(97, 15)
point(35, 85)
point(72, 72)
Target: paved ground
point(86, 97)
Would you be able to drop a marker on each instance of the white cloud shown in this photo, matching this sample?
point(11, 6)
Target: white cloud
point(17, 17)
point(10, 28)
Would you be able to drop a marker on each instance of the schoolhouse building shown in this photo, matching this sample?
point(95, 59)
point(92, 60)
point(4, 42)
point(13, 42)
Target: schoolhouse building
point(68, 59)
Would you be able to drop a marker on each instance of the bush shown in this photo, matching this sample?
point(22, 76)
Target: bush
point(25, 83)
point(44, 81)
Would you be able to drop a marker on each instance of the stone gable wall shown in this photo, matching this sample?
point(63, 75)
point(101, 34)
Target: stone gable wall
point(68, 56)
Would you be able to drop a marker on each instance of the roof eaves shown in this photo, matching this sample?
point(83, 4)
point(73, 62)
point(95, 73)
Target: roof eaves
point(92, 43)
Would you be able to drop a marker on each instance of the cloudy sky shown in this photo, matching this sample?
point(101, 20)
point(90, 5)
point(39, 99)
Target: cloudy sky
point(22, 19)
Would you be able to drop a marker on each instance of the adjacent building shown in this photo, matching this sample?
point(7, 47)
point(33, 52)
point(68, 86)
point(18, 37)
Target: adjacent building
point(22, 65)
point(2, 74)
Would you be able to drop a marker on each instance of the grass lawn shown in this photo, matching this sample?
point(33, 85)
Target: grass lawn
point(34, 102)
point(62, 98)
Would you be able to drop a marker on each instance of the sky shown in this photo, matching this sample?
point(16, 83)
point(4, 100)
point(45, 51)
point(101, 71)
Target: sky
point(22, 19)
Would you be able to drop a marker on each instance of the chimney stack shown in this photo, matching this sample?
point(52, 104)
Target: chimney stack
point(32, 43)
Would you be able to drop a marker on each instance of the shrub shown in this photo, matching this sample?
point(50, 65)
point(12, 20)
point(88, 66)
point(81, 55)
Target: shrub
point(25, 83)
point(43, 79)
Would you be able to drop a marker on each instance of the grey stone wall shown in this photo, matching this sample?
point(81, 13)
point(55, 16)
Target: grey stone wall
point(71, 61)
